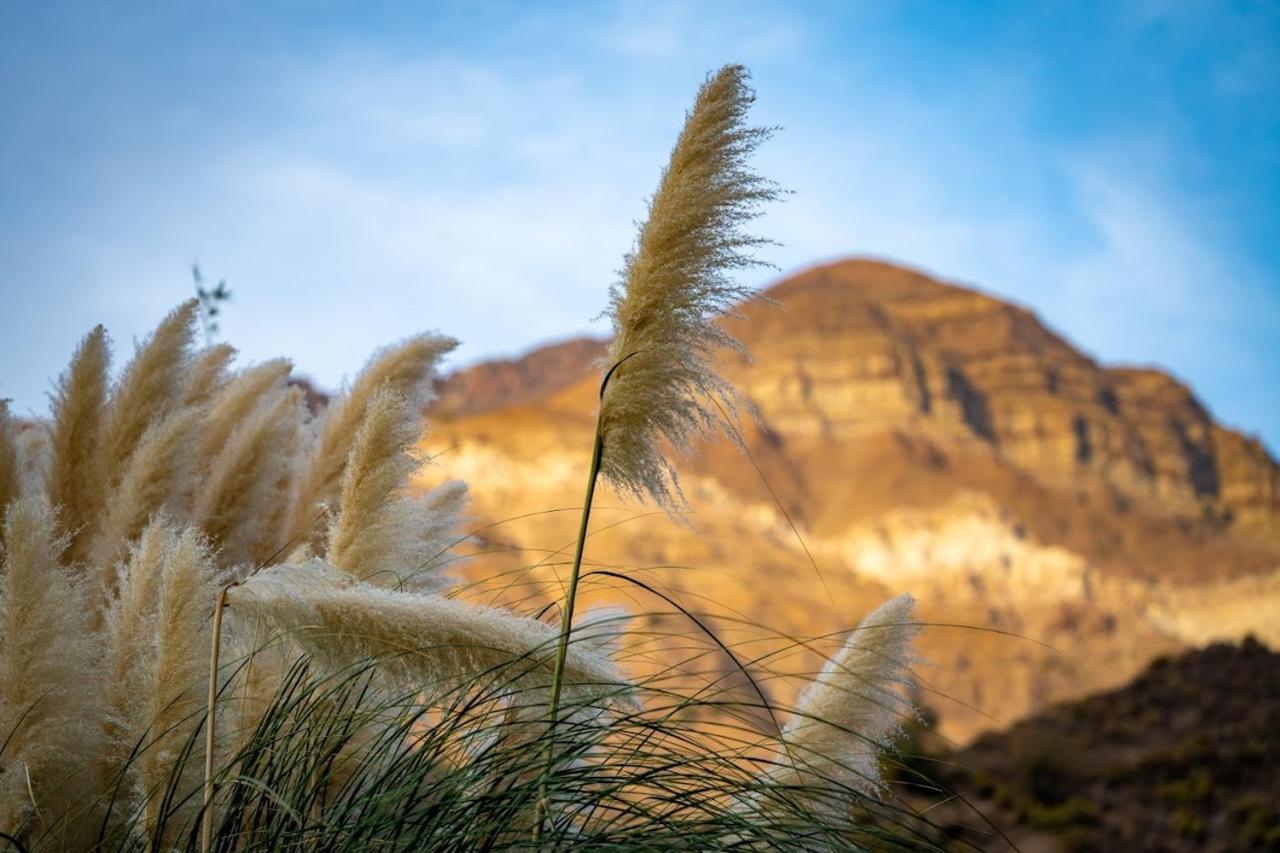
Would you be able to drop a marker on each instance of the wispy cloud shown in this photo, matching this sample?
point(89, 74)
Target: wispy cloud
point(365, 188)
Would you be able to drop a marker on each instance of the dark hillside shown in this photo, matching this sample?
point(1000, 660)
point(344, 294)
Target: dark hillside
point(1185, 757)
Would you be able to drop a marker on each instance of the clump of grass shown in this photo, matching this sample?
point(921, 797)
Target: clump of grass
point(361, 703)
point(338, 763)
point(123, 515)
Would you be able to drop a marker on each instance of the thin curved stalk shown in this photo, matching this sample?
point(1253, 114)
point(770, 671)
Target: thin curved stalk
point(206, 827)
point(566, 620)
point(571, 594)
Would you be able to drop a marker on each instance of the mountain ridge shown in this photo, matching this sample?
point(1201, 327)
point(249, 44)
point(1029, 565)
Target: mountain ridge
point(912, 310)
point(920, 437)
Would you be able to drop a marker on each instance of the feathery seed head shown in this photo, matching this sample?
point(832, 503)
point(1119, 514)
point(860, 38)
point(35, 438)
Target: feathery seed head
point(158, 477)
point(172, 695)
point(382, 534)
point(675, 284)
point(77, 476)
point(233, 404)
point(156, 661)
point(46, 670)
point(406, 369)
point(424, 642)
point(241, 501)
point(851, 711)
point(208, 373)
point(379, 465)
point(152, 385)
point(438, 515)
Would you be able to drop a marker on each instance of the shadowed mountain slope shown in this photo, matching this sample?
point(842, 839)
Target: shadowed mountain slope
point(1180, 759)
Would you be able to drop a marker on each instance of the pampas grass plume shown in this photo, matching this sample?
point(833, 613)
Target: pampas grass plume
point(208, 373)
point(45, 669)
point(846, 716)
point(236, 401)
point(151, 386)
point(674, 286)
point(423, 642)
point(364, 535)
point(437, 516)
point(156, 661)
point(405, 369)
point(77, 473)
point(242, 499)
point(158, 477)
point(172, 696)
point(381, 534)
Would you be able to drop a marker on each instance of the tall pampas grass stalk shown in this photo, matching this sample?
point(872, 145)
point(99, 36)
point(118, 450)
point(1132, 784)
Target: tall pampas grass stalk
point(675, 286)
point(660, 384)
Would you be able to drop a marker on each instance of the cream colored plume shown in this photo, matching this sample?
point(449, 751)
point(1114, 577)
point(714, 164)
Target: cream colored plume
point(153, 385)
point(158, 477)
point(438, 513)
point(130, 626)
point(208, 373)
point(77, 478)
point(406, 369)
point(242, 499)
point(383, 535)
point(157, 658)
point(425, 642)
point(48, 697)
point(236, 401)
point(34, 457)
point(675, 285)
point(172, 694)
point(847, 716)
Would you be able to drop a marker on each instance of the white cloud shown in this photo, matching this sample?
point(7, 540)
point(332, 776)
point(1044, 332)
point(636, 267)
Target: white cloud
point(494, 201)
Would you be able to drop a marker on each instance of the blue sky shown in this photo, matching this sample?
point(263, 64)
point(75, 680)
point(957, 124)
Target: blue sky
point(362, 171)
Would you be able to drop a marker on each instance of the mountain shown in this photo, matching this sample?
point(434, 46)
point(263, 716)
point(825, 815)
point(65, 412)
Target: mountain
point(494, 384)
point(1061, 521)
point(1180, 759)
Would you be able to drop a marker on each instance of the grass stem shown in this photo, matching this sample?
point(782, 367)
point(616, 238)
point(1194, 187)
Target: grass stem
point(566, 618)
point(206, 826)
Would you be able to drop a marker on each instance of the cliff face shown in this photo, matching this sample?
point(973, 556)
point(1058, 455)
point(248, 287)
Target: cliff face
point(1075, 520)
point(496, 384)
point(863, 343)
